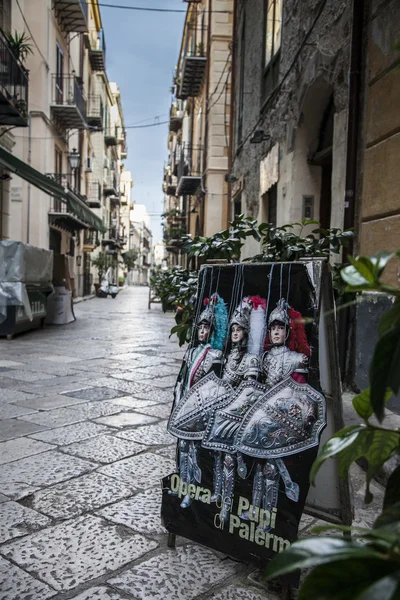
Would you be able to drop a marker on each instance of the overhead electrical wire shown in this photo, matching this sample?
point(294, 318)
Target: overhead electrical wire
point(152, 9)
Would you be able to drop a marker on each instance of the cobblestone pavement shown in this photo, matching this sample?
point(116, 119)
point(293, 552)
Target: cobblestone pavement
point(83, 446)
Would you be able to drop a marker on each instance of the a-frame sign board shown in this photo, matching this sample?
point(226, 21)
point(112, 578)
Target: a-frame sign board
point(258, 391)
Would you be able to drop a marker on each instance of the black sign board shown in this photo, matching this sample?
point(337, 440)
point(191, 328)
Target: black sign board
point(248, 410)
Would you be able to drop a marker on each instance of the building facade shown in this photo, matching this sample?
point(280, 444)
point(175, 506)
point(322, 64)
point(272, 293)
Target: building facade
point(198, 143)
point(141, 241)
point(58, 109)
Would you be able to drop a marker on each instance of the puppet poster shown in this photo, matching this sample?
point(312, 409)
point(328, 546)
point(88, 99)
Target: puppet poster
point(248, 411)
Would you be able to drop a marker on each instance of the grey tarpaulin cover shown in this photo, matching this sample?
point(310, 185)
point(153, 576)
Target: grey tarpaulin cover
point(22, 264)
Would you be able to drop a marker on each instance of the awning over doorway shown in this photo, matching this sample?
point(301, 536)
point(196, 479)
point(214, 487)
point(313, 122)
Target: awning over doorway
point(75, 202)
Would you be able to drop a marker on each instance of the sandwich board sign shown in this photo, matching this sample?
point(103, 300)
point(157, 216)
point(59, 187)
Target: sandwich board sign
point(258, 391)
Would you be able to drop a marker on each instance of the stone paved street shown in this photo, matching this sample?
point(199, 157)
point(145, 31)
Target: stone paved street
point(83, 446)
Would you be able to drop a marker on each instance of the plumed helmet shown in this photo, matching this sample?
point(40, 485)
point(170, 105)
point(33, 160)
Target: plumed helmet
point(216, 315)
point(280, 313)
point(241, 316)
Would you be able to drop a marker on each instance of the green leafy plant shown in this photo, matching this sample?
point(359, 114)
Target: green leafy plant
point(103, 262)
point(225, 244)
point(19, 45)
point(367, 566)
point(129, 258)
point(284, 244)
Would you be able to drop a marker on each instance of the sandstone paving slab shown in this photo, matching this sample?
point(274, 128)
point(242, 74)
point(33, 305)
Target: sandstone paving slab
point(10, 363)
point(130, 388)
point(15, 428)
point(158, 396)
point(100, 593)
point(104, 448)
point(54, 418)
point(152, 435)
point(142, 512)
point(20, 448)
point(126, 419)
point(7, 395)
point(17, 520)
point(71, 433)
point(9, 411)
point(162, 382)
point(24, 476)
point(162, 411)
point(168, 451)
point(156, 370)
point(99, 408)
point(143, 471)
point(133, 375)
point(80, 495)
point(74, 552)
point(49, 402)
point(94, 393)
point(23, 375)
point(234, 592)
point(60, 358)
point(4, 498)
point(133, 403)
point(16, 584)
point(182, 575)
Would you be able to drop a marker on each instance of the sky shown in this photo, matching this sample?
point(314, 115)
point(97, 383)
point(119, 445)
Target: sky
point(141, 53)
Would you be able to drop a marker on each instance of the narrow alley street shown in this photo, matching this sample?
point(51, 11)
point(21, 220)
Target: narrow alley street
point(83, 448)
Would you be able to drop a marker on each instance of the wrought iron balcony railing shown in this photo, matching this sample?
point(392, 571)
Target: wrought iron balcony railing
point(68, 102)
point(193, 63)
point(13, 88)
point(110, 183)
point(72, 15)
point(95, 111)
point(94, 194)
point(176, 116)
point(97, 50)
point(169, 184)
point(189, 170)
point(113, 136)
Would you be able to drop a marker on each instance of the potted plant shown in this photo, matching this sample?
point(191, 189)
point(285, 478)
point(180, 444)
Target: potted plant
point(121, 281)
point(19, 45)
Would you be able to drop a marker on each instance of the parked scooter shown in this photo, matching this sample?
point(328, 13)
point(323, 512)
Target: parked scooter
point(107, 286)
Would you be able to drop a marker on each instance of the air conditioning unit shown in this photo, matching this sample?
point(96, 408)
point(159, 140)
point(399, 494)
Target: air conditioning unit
point(89, 164)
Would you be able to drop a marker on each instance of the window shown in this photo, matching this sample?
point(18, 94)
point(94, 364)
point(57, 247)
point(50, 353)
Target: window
point(59, 74)
point(237, 207)
point(269, 205)
point(5, 15)
point(241, 84)
point(272, 45)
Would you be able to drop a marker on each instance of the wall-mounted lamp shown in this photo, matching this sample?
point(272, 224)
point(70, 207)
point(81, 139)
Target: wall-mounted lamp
point(259, 136)
point(78, 260)
point(74, 159)
point(5, 177)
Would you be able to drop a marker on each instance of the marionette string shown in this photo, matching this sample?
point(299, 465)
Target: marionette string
point(288, 284)
point(280, 282)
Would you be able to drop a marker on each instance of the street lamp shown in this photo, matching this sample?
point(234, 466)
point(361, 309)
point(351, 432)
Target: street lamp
point(74, 159)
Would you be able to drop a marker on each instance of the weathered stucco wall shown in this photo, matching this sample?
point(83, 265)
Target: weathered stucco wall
point(292, 119)
point(380, 205)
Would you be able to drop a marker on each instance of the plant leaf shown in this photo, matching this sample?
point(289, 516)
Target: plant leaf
point(350, 582)
point(392, 492)
point(390, 516)
point(384, 371)
point(341, 440)
point(317, 551)
point(390, 319)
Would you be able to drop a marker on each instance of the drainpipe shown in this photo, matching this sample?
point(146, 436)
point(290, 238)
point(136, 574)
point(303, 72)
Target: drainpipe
point(28, 212)
point(353, 122)
point(346, 317)
point(232, 109)
point(205, 153)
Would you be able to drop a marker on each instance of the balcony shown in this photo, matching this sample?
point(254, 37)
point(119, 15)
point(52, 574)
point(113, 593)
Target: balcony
point(189, 170)
point(193, 63)
point(94, 115)
point(111, 136)
point(112, 239)
point(110, 183)
point(176, 116)
point(94, 195)
point(13, 88)
point(68, 102)
point(169, 184)
point(62, 215)
point(90, 240)
point(97, 50)
point(72, 15)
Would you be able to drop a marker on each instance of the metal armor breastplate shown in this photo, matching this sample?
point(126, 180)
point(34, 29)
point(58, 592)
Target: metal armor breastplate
point(241, 366)
point(280, 362)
